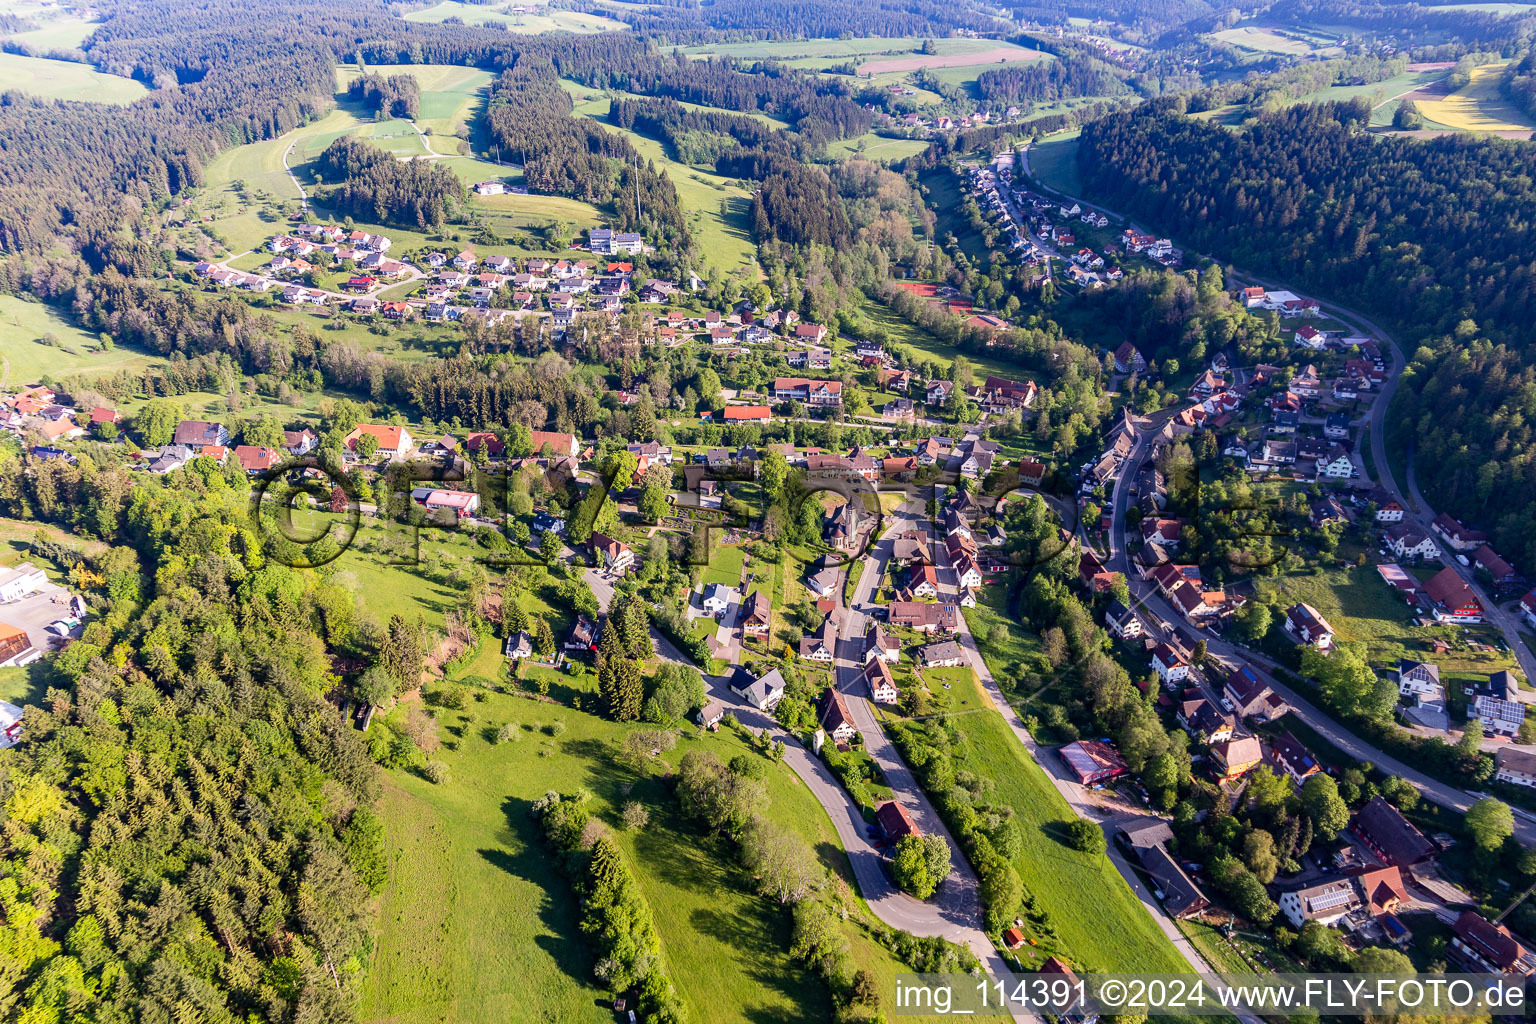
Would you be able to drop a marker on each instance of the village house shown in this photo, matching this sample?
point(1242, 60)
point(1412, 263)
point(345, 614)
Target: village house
point(616, 556)
point(810, 392)
point(394, 442)
point(1485, 948)
point(882, 683)
point(835, 718)
point(1169, 666)
point(881, 645)
point(1307, 626)
point(1295, 759)
point(1458, 537)
point(1450, 599)
point(200, 434)
point(1237, 757)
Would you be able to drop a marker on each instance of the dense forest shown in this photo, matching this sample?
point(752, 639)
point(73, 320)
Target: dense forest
point(1519, 83)
point(1044, 81)
point(389, 96)
point(799, 205)
point(187, 830)
point(695, 136)
point(1429, 235)
point(379, 189)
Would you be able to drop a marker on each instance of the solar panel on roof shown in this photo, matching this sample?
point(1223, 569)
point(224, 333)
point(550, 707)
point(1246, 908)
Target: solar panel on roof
point(1329, 900)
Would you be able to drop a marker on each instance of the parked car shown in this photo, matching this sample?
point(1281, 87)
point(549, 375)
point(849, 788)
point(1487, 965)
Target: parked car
point(62, 627)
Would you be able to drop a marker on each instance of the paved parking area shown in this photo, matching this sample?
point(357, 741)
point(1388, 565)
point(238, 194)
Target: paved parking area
point(35, 612)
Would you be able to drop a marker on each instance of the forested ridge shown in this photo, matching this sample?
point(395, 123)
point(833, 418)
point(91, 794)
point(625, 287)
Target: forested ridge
point(376, 188)
point(1432, 236)
point(187, 833)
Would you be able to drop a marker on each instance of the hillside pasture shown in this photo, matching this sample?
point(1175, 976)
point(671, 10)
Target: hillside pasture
point(56, 29)
point(530, 23)
point(450, 93)
point(26, 357)
point(477, 924)
point(1258, 39)
point(66, 80)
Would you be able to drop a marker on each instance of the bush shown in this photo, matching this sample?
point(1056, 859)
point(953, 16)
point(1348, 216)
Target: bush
point(555, 728)
point(1084, 835)
point(508, 733)
point(436, 772)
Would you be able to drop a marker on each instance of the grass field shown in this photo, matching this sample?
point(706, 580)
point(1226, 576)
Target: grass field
point(475, 923)
point(56, 29)
point(1054, 162)
point(716, 209)
point(530, 24)
point(1363, 609)
point(1263, 40)
point(876, 147)
point(66, 80)
point(450, 93)
point(1064, 882)
point(1488, 8)
point(836, 51)
point(25, 358)
point(1478, 107)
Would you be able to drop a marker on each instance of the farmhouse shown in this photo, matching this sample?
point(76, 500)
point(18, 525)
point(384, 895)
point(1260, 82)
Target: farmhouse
point(394, 442)
point(882, 684)
point(1388, 835)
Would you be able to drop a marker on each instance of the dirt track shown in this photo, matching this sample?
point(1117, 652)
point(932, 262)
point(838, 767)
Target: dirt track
point(997, 55)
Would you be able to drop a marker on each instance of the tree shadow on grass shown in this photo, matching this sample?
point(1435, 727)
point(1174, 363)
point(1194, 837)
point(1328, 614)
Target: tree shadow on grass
point(530, 860)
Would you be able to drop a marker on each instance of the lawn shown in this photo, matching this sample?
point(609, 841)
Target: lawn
point(1363, 609)
point(1119, 934)
point(66, 80)
point(476, 924)
point(26, 358)
point(1479, 107)
point(1053, 162)
point(725, 564)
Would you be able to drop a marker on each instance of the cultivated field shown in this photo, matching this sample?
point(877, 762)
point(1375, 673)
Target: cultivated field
point(1478, 107)
point(1263, 40)
point(529, 23)
point(65, 80)
point(993, 55)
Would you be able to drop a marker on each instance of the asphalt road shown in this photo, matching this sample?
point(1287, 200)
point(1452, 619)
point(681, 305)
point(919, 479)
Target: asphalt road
point(955, 911)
